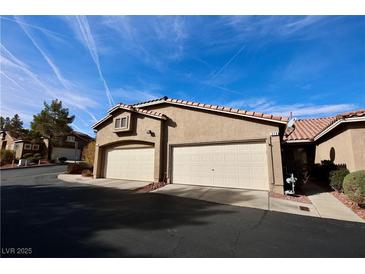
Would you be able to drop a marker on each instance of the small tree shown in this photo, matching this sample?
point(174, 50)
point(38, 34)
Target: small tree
point(14, 126)
point(52, 121)
point(88, 153)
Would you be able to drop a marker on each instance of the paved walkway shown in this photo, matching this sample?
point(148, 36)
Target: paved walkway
point(328, 206)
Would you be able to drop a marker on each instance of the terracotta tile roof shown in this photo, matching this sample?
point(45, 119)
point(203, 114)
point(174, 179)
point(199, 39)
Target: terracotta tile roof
point(350, 114)
point(307, 129)
point(130, 108)
point(214, 108)
point(139, 110)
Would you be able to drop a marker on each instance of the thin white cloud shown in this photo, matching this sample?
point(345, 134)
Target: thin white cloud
point(131, 95)
point(28, 84)
point(81, 28)
point(226, 64)
point(53, 66)
point(266, 105)
point(53, 34)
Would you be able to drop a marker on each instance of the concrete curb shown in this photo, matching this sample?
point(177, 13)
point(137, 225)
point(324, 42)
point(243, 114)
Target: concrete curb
point(35, 166)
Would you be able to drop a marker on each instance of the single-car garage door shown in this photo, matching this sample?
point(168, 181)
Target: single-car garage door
point(130, 164)
point(230, 165)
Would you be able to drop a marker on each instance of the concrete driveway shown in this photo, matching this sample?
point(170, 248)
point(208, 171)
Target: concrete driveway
point(113, 183)
point(238, 197)
point(54, 218)
point(228, 196)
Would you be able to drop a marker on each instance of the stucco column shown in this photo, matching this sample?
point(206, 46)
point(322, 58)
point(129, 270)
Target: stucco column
point(96, 162)
point(277, 166)
point(158, 155)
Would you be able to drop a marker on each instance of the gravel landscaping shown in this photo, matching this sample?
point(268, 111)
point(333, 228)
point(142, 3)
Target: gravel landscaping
point(347, 202)
point(150, 187)
point(296, 198)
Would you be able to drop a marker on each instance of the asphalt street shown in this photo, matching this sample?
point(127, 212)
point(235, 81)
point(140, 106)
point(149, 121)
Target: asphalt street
point(42, 216)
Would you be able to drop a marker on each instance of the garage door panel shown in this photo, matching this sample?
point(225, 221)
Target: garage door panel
point(230, 165)
point(130, 164)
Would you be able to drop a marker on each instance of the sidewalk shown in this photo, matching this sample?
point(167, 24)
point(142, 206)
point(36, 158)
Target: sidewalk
point(328, 206)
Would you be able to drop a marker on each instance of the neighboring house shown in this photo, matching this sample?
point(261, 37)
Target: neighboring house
point(70, 146)
point(190, 143)
point(20, 147)
point(340, 139)
point(6, 140)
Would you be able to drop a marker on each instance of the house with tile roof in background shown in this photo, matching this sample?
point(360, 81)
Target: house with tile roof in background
point(340, 139)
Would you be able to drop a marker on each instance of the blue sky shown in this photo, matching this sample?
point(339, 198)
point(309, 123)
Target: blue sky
point(311, 65)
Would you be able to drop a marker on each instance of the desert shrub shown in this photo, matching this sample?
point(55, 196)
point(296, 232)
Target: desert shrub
point(336, 178)
point(27, 156)
point(354, 186)
point(62, 159)
point(322, 171)
point(88, 153)
point(77, 168)
point(87, 173)
point(37, 156)
point(6, 156)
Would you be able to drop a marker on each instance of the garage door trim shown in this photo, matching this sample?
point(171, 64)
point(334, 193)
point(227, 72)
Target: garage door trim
point(230, 142)
point(118, 148)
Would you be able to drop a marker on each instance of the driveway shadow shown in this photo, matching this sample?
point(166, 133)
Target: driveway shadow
point(58, 221)
point(71, 220)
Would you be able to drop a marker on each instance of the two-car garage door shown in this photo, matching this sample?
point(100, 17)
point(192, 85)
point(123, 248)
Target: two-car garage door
point(224, 165)
point(130, 164)
point(228, 165)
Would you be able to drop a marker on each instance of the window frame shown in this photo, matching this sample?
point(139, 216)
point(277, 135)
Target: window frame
point(35, 145)
point(27, 146)
point(71, 137)
point(119, 120)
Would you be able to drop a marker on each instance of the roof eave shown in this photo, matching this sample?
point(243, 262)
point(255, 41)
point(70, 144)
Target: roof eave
point(337, 123)
point(284, 122)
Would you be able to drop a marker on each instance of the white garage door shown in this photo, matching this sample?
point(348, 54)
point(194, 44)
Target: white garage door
point(233, 165)
point(130, 164)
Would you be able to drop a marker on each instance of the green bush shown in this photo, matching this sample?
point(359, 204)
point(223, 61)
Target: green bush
point(77, 168)
point(37, 156)
point(6, 156)
point(322, 171)
point(27, 156)
point(354, 186)
point(336, 178)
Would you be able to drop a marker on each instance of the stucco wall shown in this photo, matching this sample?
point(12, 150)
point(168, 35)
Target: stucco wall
point(137, 136)
point(9, 142)
point(348, 146)
point(358, 144)
point(187, 126)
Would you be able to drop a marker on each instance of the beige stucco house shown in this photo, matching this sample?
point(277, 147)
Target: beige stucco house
point(190, 143)
point(184, 142)
point(340, 139)
point(20, 147)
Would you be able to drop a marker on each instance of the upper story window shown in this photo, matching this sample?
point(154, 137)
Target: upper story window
point(70, 139)
point(121, 123)
point(27, 146)
point(35, 147)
